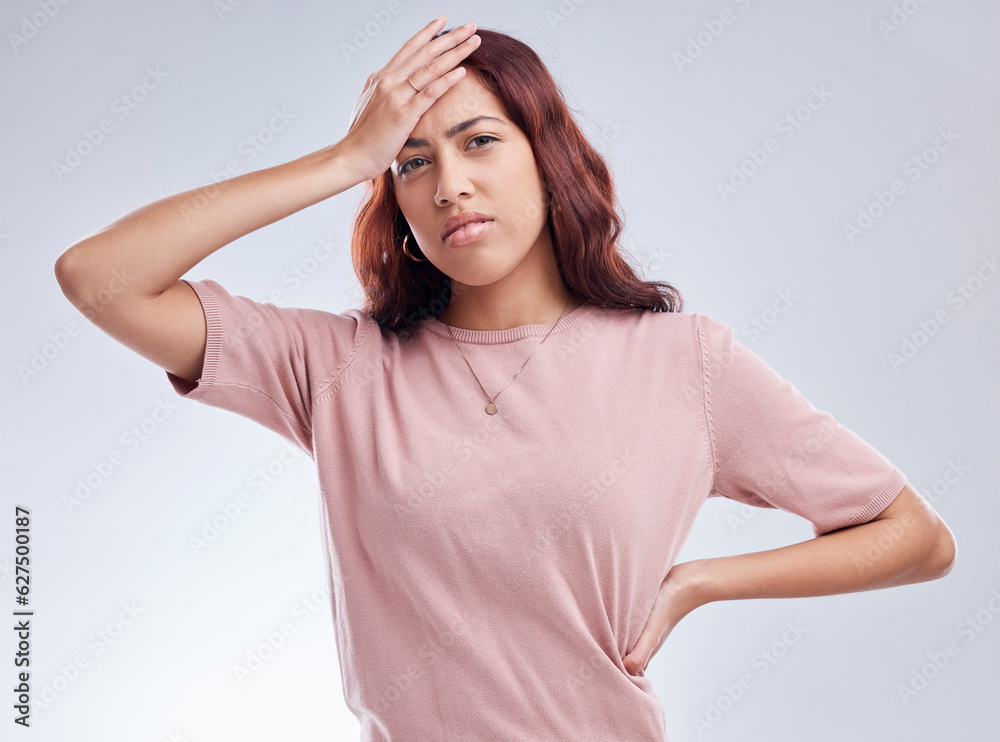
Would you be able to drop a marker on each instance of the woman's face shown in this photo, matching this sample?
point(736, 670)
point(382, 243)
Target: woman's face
point(488, 167)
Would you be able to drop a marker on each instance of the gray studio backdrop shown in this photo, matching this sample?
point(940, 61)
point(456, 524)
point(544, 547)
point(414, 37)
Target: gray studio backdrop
point(821, 176)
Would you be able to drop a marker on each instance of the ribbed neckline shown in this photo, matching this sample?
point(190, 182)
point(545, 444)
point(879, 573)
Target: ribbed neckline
point(495, 337)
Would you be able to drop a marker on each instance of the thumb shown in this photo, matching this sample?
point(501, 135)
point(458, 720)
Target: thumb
point(635, 661)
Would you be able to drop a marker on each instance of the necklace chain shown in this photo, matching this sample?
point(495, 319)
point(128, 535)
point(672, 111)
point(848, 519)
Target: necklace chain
point(492, 408)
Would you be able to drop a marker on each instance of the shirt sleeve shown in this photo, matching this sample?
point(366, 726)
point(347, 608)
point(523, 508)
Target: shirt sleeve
point(772, 448)
point(267, 363)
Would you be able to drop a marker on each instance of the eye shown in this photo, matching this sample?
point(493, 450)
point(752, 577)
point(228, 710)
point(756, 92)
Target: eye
point(485, 136)
point(402, 168)
point(405, 167)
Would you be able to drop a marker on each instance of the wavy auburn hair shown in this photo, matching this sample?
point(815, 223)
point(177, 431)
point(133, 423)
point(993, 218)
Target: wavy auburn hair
point(400, 293)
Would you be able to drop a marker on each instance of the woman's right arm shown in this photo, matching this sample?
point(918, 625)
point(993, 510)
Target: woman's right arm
point(125, 278)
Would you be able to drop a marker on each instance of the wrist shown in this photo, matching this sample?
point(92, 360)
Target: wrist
point(332, 169)
point(694, 583)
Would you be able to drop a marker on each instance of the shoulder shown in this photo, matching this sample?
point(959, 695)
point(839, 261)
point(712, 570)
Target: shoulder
point(680, 325)
point(273, 311)
point(676, 336)
point(697, 341)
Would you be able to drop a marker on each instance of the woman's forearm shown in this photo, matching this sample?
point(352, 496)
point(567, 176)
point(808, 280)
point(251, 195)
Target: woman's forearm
point(148, 250)
point(907, 543)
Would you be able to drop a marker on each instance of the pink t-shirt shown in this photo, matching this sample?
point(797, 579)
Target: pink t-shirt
point(489, 572)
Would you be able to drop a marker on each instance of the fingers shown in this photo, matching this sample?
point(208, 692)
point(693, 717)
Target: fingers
point(421, 37)
point(429, 63)
point(439, 67)
point(636, 660)
point(430, 93)
point(433, 50)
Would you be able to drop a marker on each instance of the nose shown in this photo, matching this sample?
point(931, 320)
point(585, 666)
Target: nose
point(453, 181)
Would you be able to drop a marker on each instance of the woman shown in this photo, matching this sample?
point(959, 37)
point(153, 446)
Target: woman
point(501, 518)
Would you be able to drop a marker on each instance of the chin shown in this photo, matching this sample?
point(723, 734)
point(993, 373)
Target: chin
point(481, 273)
point(478, 278)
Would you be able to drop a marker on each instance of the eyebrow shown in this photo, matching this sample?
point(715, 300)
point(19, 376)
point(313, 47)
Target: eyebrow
point(453, 131)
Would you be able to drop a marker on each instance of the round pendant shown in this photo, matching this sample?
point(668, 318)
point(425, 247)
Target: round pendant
point(491, 408)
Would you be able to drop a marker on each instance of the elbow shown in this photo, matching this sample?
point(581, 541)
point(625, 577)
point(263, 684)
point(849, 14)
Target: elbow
point(93, 279)
point(62, 270)
point(82, 280)
point(67, 272)
point(940, 557)
point(931, 545)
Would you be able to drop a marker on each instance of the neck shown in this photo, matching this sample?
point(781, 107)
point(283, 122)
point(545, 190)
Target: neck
point(480, 308)
point(533, 293)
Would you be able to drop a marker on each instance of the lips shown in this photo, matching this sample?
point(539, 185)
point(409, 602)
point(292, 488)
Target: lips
point(461, 220)
point(468, 234)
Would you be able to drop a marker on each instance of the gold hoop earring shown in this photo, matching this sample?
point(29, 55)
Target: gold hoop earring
point(407, 253)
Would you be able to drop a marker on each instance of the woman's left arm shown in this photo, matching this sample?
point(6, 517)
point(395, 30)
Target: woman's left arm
point(906, 543)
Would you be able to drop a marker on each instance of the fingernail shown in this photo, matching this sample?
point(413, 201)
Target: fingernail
point(470, 24)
